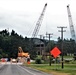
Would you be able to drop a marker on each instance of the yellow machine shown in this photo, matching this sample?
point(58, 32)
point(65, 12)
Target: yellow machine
point(21, 53)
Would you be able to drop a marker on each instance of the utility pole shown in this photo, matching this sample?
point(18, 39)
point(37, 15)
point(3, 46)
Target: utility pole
point(62, 43)
point(40, 45)
point(49, 47)
point(44, 43)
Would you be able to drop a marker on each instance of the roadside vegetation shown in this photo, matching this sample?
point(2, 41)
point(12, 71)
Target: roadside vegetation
point(55, 68)
point(10, 41)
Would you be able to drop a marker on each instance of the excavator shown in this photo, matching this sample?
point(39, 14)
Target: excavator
point(21, 53)
point(22, 56)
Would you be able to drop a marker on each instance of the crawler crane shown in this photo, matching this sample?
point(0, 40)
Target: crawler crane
point(71, 24)
point(38, 24)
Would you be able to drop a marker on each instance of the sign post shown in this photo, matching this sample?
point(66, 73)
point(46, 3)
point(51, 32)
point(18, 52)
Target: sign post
point(55, 52)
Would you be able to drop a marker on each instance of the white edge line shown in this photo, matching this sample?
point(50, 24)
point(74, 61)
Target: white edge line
point(27, 70)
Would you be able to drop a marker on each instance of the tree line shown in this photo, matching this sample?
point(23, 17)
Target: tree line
point(9, 43)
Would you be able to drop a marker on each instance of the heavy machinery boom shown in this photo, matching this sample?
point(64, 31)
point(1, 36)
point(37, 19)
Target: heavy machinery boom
point(38, 24)
point(71, 24)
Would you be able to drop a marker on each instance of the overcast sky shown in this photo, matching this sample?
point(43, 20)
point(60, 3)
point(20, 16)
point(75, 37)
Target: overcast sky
point(22, 15)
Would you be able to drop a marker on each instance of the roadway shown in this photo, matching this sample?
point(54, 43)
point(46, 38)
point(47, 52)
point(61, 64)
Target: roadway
point(16, 69)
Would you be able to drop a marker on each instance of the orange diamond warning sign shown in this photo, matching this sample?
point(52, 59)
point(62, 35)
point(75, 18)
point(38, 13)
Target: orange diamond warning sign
point(55, 52)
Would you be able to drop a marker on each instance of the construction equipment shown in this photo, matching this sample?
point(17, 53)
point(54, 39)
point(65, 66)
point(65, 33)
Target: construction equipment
point(38, 24)
point(71, 24)
point(22, 56)
point(21, 53)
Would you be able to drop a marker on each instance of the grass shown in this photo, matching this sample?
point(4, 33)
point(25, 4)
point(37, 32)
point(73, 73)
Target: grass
point(69, 69)
point(56, 69)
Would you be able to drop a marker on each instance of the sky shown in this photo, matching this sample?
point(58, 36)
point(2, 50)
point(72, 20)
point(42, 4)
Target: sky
point(22, 16)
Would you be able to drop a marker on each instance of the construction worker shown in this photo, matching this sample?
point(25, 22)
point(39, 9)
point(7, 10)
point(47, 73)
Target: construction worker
point(28, 59)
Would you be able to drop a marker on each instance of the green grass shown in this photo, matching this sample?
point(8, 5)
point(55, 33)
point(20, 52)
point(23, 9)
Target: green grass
point(68, 68)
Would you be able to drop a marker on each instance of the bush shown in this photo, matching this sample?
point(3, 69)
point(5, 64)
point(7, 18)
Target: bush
point(38, 61)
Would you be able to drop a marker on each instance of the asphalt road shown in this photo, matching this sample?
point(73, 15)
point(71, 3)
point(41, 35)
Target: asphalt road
point(15, 69)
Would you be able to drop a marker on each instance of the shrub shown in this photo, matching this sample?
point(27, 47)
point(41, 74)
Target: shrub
point(38, 61)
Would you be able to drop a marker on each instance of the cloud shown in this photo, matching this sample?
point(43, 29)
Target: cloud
point(22, 15)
